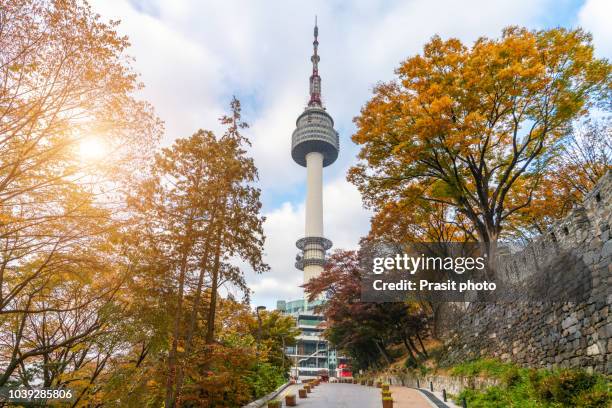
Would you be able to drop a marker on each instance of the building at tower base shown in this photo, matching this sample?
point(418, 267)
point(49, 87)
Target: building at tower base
point(312, 355)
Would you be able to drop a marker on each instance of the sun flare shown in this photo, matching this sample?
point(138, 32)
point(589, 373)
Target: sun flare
point(92, 148)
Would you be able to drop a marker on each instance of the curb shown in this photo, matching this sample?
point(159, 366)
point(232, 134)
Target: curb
point(432, 399)
point(261, 402)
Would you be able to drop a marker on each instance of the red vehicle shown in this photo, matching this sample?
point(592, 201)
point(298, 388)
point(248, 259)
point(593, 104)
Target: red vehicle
point(344, 371)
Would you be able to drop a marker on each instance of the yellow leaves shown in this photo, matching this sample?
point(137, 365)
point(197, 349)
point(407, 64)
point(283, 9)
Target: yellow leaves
point(78, 347)
point(15, 67)
point(79, 383)
point(441, 105)
point(460, 118)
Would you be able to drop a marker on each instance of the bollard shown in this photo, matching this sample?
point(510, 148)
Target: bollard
point(430, 386)
point(418, 384)
point(463, 403)
point(444, 394)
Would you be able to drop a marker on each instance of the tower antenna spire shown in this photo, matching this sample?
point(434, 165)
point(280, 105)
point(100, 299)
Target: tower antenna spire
point(315, 79)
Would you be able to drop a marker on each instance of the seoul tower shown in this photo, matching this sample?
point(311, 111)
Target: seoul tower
point(314, 145)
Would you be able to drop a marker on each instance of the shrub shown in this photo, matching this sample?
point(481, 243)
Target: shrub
point(511, 377)
point(492, 397)
point(531, 388)
point(595, 399)
point(410, 363)
point(274, 403)
point(482, 367)
point(424, 370)
point(264, 379)
point(565, 386)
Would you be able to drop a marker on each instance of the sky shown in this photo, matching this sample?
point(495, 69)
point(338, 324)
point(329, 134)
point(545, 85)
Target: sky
point(194, 55)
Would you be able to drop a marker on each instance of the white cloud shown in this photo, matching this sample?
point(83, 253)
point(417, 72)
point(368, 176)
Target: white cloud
point(345, 219)
point(271, 138)
point(194, 55)
point(594, 16)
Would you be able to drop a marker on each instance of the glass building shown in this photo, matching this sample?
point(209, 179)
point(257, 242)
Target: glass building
point(312, 355)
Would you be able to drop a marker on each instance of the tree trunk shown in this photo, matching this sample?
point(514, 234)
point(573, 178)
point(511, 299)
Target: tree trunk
point(170, 380)
point(192, 322)
point(383, 351)
point(421, 343)
point(491, 248)
point(436, 320)
point(212, 309)
point(196, 304)
point(210, 329)
point(412, 356)
point(415, 347)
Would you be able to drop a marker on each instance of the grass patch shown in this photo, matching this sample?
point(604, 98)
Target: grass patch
point(531, 388)
point(482, 368)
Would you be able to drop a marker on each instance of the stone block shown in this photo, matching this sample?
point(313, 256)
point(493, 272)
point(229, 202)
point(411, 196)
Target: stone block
point(593, 350)
point(607, 249)
point(605, 332)
point(569, 321)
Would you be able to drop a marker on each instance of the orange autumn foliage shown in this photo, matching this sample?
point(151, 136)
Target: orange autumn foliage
point(474, 129)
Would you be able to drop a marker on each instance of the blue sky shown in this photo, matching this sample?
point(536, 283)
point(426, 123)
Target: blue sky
point(194, 55)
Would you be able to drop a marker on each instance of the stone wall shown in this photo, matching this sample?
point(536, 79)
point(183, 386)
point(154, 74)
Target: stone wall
point(452, 385)
point(551, 334)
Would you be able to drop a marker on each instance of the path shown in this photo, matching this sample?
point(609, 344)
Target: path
point(337, 396)
point(404, 397)
point(356, 396)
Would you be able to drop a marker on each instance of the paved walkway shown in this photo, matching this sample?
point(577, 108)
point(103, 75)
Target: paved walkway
point(404, 397)
point(356, 396)
point(337, 396)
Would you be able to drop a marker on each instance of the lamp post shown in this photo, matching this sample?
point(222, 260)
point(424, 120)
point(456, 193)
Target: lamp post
point(283, 353)
point(257, 310)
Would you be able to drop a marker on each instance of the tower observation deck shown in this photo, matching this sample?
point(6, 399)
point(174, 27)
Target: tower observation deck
point(314, 145)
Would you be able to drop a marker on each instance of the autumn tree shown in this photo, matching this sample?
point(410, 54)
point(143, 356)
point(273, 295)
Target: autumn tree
point(587, 155)
point(580, 161)
point(66, 94)
point(241, 366)
point(199, 212)
point(474, 128)
point(277, 332)
point(365, 330)
point(426, 222)
point(111, 259)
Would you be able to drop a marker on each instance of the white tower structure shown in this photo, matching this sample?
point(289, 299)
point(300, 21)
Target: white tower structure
point(314, 145)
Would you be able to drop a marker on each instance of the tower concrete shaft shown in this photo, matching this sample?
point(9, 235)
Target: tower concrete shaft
point(314, 212)
point(314, 195)
point(314, 145)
